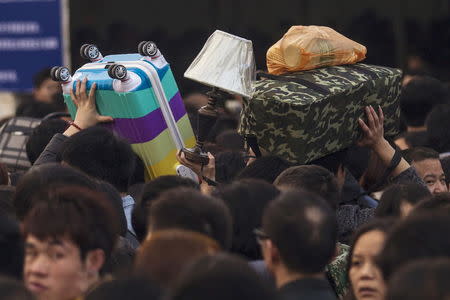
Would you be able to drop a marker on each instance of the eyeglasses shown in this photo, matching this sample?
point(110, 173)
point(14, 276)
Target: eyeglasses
point(260, 235)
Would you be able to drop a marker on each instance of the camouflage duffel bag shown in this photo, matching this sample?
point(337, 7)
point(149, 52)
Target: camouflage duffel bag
point(306, 115)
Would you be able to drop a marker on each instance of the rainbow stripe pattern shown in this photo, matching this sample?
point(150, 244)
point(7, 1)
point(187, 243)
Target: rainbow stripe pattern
point(137, 114)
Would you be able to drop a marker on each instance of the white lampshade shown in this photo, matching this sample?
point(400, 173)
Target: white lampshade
point(226, 62)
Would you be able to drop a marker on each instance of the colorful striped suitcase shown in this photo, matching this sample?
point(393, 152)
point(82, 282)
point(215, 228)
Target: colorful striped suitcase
point(139, 91)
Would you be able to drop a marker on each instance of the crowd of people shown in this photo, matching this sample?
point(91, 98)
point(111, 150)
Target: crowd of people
point(367, 222)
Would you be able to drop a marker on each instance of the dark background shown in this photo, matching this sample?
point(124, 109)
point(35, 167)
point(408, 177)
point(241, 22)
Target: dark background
point(408, 34)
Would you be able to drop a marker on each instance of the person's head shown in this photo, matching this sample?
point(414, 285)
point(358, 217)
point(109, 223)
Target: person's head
point(311, 178)
point(166, 252)
point(266, 168)
point(42, 135)
point(126, 288)
point(419, 97)
point(11, 248)
point(437, 123)
point(150, 192)
point(48, 176)
point(439, 203)
point(228, 165)
point(247, 200)
point(99, 153)
point(188, 209)
point(299, 234)
point(417, 237)
point(428, 166)
point(12, 289)
point(366, 281)
point(399, 199)
point(422, 279)
point(220, 277)
point(68, 237)
point(44, 88)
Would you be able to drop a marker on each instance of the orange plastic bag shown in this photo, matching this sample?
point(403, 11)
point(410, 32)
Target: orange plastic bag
point(310, 47)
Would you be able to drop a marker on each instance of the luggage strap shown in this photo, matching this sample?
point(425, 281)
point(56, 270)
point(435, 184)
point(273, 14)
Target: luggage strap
point(301, 81)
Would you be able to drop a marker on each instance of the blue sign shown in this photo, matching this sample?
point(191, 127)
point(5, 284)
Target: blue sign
point(31, 38)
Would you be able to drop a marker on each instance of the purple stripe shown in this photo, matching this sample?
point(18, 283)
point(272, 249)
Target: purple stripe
point(146, 128)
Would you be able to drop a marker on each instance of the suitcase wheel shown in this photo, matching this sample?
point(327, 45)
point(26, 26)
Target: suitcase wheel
point(117, 72)
point(60, 74)
point(146, 48)
point(88, 51)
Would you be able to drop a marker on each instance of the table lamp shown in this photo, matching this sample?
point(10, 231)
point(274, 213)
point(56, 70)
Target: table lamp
point(227, 64)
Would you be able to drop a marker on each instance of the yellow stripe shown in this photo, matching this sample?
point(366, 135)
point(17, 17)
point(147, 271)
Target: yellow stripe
point(166, 166)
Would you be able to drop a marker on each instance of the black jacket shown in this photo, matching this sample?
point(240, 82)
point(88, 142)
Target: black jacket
point(307, 289)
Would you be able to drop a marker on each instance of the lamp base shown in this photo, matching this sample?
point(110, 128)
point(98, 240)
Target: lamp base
point(196, 155)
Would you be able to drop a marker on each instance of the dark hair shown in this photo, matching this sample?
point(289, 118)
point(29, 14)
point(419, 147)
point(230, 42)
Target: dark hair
point(41, 136)
point(418, 98)
point(246, 200)
point(303, 228)
point(40, 77)
point(315, 179)
point(384, 225)
point(223, 123)
point(445, 163)
point(419, 236)
point(266, 168)
point(437, 124)
point(12, 289)
point(419, 154)
point(439, 203)
point(230, 140)
point(100, 154)
point(112, 195)
point(48, 176)
point(120, 263)
point(166, 252)
point(228, 166)
point(220, 277)
point(82, 215)
point(127, 288)
point(188, 209)
point(138, 175)
point(393, 197)
point(11, 248)
point(422, 279)
point(4, 176)
point(150, 192)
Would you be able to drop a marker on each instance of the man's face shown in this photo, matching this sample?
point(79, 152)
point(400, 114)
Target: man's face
point(431, 172)
point(53, 269)
point(47, 90)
